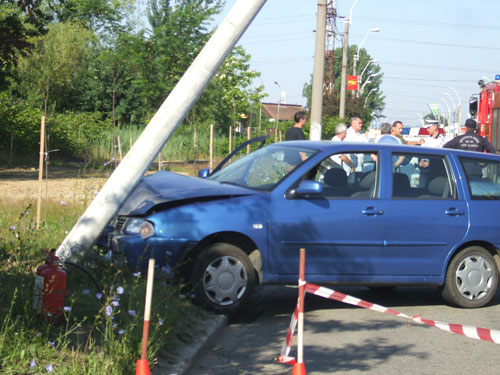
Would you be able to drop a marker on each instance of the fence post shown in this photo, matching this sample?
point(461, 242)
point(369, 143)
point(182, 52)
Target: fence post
point(248, 137)
point(230, 138)
point(40, 172)
point(195, 145)
point(211, 153)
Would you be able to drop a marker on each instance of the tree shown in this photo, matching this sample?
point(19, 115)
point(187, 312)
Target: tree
point(20, 20)
point(354, 105)
point(230, 93)
point(56, 62)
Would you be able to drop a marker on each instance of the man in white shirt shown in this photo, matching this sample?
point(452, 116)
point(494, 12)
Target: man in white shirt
point(341, 159)
point(355, 134)
point(435, 140)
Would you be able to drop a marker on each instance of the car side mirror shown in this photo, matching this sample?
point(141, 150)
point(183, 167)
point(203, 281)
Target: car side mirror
point(204, 173)
point(306, 187)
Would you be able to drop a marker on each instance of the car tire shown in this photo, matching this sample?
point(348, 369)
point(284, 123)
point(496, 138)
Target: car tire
point(471, 279)
point(223, 278)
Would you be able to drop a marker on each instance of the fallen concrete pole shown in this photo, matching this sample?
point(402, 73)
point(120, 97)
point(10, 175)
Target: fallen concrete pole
point(168, 117)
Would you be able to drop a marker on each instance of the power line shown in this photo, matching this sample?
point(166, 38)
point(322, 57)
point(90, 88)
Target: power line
point(431, 23)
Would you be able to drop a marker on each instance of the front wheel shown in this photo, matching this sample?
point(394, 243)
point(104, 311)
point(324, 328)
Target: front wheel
point(223, 278)
point(471, 279)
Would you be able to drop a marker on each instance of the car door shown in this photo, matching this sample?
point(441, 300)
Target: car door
point(424, 216)
point(482, 182)
point(341, 228)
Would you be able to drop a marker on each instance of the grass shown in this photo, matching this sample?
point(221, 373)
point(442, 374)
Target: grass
point(101, 329)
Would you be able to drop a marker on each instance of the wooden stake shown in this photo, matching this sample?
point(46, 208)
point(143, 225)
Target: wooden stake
point(142, 364)
point(300, 329)
point(248, 137)
point(210, 162)
point(40, 172)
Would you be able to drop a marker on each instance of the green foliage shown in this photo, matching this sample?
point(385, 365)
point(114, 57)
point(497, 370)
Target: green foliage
point(19, 123)
point(71, 133)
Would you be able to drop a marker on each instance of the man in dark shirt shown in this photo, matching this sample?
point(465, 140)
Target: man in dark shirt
point(470, 141)
point(295, 133)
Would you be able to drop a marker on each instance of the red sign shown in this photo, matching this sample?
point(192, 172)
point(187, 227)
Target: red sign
point(352, 82)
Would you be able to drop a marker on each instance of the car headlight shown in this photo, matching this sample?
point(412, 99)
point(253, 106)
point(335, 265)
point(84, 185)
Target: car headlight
point(139, 226)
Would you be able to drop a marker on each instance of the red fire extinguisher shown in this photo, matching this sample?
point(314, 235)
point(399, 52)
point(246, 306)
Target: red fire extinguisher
point(50, 287)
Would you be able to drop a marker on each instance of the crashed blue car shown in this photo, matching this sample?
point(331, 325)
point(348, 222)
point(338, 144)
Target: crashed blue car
point(404, 215)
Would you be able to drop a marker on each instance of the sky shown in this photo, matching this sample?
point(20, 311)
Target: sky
point(423, 48)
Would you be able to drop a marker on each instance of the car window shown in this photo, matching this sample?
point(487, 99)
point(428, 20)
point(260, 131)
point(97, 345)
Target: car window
point(264, 168)
point(421, 176)
point(483, 178)
point(342, 179)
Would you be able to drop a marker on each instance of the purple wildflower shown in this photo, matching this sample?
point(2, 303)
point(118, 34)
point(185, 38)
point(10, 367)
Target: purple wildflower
point(121, 331)
point(33, 363)
point(67, 308)
point(131, 312)
point(86, 291)
point(98, 295)
point(109, 310)
point(119, 290)
point(49, 368)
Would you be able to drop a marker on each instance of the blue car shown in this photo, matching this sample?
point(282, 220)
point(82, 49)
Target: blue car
point(406, 215)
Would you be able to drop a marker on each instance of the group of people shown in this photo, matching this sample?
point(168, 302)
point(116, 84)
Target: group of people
point(469, 141)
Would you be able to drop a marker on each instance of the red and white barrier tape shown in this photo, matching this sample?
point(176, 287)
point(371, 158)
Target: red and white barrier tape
point(477, 333)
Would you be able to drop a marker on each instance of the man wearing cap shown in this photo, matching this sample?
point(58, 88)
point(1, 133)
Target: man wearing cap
point(436, 139)
point(470, 141)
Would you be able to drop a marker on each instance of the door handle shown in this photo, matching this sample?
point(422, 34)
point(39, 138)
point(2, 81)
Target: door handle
point(452, 211)
point(372, 211)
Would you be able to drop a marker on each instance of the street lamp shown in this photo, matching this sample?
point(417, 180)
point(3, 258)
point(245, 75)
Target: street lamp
point(454, 106)
point(278, 116)
point(449, 110)
point(356, 56)
point(459, 108)
point(366, 98)
point(367, 81)
point(366, 67)
point(279, 102)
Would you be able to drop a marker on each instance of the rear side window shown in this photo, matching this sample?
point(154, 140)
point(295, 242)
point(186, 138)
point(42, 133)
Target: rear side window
point(420, 176)
point(483, 178)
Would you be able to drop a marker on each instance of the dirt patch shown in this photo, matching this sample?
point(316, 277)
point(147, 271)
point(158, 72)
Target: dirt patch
point(60, 183)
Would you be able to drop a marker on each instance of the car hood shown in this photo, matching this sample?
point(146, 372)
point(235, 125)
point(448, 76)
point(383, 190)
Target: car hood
point(165, 187)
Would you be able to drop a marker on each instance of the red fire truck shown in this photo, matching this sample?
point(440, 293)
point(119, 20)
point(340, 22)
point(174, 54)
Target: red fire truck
point(485, 108)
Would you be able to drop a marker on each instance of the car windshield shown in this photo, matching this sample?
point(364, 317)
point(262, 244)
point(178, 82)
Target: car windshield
point(264, 168)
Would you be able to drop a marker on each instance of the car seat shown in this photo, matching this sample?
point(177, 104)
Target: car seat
point(367, 183)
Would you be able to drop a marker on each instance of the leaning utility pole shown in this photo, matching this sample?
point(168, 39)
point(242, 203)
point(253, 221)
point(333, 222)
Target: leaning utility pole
point(168, 117)
point(343, 80)
point(318, 73)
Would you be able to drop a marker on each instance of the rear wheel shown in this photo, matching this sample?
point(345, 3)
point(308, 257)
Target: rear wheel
point(471, 279)
point(223, 278)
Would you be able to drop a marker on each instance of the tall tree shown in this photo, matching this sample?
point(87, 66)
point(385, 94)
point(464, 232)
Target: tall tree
point(56, 63)
point(355, 105)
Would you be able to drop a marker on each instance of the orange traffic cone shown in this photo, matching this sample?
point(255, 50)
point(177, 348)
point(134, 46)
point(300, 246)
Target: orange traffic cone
point(143, 367)
point(299, 369)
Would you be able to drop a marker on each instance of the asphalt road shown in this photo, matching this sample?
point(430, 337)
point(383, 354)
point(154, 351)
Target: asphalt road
point(344, 339)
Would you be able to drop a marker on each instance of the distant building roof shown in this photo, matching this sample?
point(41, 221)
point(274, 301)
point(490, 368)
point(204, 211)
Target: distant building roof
point(287, 111)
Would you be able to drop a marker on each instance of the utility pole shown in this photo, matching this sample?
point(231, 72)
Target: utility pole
point(318, 73)
point(343, 79)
